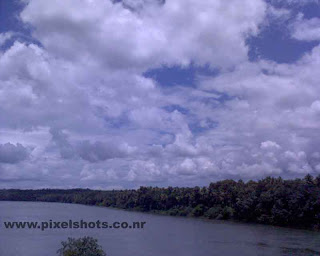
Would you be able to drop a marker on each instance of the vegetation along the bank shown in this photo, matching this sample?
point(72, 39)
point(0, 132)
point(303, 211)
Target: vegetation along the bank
point(274, 201)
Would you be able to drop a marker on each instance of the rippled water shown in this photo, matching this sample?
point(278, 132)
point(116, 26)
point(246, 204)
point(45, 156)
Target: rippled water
point(162, 235)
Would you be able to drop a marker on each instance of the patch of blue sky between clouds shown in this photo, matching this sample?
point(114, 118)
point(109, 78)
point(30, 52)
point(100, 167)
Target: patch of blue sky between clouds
point(178, 75)
point(310, 8)
point(202, 127)
point(9, 11)
point(11, 25)
point(181, 76)
point(275, 41)
point(175, 107)
point(119, 122)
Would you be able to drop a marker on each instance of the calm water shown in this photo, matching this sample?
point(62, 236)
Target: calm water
point(162, 235)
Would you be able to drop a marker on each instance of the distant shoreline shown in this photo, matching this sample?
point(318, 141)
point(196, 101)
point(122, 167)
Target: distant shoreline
point(272, 201)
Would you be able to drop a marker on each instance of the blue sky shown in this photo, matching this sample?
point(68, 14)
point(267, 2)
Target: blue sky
point(106, 94)
point(274, 42)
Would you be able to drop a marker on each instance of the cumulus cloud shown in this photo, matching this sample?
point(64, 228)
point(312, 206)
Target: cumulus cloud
point(175, 33)
point(269, 145)
point(80, 101)
point(11, 154)
point(99, 151)
point(60, 139)
point(275, 106)
point(306, 29)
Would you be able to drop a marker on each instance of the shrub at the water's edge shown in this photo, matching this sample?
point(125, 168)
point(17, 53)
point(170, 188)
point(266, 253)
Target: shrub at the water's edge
point(274, 201)
point(86, 246)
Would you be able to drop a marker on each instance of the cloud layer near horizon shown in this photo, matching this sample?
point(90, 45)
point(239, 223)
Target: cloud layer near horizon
point(77, 110)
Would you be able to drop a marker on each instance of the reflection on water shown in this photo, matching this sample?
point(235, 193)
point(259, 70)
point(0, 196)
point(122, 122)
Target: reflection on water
point(298, 251)
point(162, 235)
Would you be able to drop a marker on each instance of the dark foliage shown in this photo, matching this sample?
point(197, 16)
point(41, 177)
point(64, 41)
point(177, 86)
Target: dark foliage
point(86, 246)
point(273, 201)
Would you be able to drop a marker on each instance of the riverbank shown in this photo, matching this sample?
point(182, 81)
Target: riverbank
point(161, 235)
point(272, 201)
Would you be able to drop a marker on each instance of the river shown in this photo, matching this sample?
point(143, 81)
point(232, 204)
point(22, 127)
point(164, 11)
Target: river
point(161, 235)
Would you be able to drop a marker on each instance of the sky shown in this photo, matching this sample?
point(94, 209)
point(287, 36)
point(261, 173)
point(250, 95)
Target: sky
point(108, 94)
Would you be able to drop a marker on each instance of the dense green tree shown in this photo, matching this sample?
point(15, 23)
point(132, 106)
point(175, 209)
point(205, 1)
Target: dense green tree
point(270, 201)
point(86, 246)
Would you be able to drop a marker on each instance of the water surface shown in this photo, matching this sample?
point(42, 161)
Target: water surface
point(162, 235)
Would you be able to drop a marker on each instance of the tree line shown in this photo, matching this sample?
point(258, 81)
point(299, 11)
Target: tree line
point(274, 201)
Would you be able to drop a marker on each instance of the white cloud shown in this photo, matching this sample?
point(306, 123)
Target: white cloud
point(306, 29)
point(4, 37)
point(269, 145)
point(86, 116)
point(177, 32)
point(11, 154)
point(101, 151)
point(278, 14)
point(295, 2)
